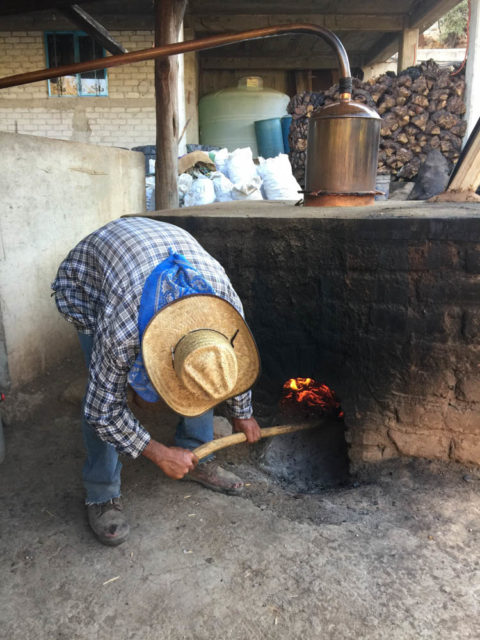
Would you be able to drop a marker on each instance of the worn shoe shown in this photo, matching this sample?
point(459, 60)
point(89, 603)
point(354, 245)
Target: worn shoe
point(213, 476)
point(108, 522)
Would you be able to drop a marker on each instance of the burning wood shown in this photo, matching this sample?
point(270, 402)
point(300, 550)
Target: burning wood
point(311, 397)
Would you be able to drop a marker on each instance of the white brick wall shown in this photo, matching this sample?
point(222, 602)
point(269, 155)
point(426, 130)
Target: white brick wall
point(126, 118)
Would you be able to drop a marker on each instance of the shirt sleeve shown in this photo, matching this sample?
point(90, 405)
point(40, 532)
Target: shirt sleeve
point(106, 408)
point(240, 406)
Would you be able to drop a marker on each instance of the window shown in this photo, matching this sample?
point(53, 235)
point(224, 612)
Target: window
point(68, 47)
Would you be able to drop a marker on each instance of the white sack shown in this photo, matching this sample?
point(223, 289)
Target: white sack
point(279, 182)
point(248, 190)
point(220, 158)
point(223, 187)
point(184, 183)
point(201, 192)
point(240, 167)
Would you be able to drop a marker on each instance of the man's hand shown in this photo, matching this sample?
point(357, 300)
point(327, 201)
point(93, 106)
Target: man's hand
point(173, 461)
point(249, 427)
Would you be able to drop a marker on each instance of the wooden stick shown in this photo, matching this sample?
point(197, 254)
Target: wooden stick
point(206, 449)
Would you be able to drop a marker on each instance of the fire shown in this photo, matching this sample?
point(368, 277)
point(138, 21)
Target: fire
point(311, 396)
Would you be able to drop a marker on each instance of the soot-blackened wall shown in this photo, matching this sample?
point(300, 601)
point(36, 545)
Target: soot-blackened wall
point(381, 303)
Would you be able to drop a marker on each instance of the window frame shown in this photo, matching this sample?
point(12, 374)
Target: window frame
point(76, 54)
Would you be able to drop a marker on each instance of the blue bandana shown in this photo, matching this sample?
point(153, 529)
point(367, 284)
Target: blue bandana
point(173, 278)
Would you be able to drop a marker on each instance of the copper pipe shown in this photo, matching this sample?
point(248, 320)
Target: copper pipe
point(210, 42)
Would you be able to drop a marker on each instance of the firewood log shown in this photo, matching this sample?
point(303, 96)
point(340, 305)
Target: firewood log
point(455, 105)
point(421, 120)
point(421, 109)
point(420, 99)
point(444, 119)
point(420, 86)
point(387, 103)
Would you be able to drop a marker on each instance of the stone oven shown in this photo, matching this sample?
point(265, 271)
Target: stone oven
point(382, 303)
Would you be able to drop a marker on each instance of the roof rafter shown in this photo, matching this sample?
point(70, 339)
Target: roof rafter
point(12, 7)
point(85, 21)
point(214, 23)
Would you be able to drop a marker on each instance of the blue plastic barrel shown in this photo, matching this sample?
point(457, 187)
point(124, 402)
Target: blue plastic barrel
point(269, 137)
point(150, 153)
point(286, 122)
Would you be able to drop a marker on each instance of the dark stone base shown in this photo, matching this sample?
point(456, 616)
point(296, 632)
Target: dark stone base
point(381, 303)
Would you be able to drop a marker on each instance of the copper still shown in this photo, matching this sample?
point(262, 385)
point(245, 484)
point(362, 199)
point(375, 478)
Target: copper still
point(342, 155)
point(343, 138)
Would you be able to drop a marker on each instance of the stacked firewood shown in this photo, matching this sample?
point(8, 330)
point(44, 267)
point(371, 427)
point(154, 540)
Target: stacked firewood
point(421, 109)
point(301, 108)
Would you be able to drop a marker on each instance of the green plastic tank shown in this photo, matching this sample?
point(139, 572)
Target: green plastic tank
point(227, 117)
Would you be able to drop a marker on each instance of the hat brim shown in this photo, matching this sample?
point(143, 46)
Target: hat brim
point(172, 322)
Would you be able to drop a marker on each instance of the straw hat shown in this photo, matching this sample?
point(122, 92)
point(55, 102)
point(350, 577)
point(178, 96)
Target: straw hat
point(198, 351)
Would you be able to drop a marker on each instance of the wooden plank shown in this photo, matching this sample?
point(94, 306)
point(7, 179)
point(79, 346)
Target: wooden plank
point(214, 23)
point(286, 47)
point(466, 175)
point(303, 81)
point(168, 19)
point(472, 71)
point(12, 7)
point(87, 23)
point(339, 7)
point(249, 63)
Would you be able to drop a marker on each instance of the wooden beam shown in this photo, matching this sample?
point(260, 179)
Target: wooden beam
point(428, 12)
point(472, 71)
point(407, 56)
point(214, 23)
point(168, 19)
point(383, 49)
point(339, 7)
point(303, 81)
point(45, 21)
point(425, 14)
point(191, 82)
point(12, 7)
point(466, 174)
point(87, 23)
point(280, 62)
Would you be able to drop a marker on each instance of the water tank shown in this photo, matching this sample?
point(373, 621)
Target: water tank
point(226, 117)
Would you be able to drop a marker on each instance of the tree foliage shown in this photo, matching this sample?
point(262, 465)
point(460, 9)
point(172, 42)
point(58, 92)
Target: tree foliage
point(453, 25)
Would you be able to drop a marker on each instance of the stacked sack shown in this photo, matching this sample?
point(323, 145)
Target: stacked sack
point(238, 177)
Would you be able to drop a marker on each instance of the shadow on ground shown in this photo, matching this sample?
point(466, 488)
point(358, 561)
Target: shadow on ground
point(394, 558)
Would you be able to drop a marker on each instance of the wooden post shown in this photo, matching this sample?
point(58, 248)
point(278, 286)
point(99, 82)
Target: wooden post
point(168, 19)
point(472, 71)
point(407, 56)
point(303, 81)
point(191, 91)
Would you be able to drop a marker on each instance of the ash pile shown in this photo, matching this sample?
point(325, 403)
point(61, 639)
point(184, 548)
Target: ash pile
point(312, 460)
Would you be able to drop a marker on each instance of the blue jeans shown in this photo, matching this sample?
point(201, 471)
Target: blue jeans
point(101, 471)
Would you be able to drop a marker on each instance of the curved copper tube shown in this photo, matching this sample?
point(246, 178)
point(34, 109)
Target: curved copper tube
point(199, 44)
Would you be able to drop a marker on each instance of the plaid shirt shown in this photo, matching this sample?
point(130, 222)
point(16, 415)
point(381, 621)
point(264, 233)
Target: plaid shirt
point(98, 288)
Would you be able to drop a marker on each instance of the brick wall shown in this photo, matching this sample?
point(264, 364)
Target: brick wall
point(125, 118)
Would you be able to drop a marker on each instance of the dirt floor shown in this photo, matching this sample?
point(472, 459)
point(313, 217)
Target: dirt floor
point(394, 556)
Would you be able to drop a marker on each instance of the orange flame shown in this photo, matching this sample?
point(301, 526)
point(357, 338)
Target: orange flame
point(311, 395)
